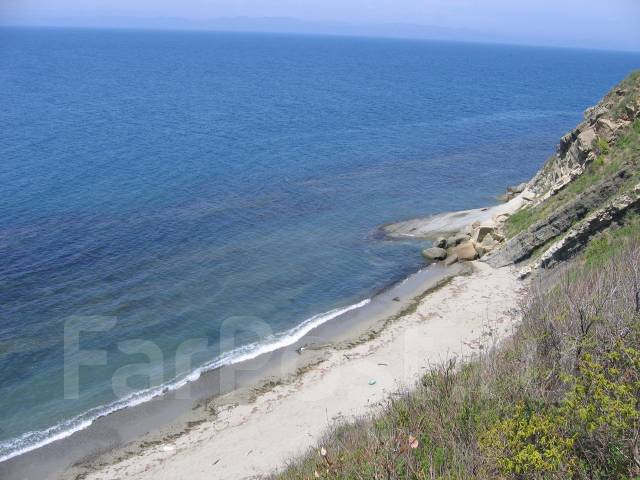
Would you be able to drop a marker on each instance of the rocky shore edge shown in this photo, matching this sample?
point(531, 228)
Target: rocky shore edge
point(587, 188)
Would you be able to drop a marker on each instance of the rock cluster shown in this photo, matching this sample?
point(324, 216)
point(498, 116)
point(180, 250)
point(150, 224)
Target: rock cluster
point(470, 244)
point(521, 246)
point(579, 235)
point(558, 229)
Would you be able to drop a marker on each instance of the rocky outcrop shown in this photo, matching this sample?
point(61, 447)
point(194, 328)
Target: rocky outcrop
point(513, 191)
point(581, 146)
point(521, 246)
point(578, 236)
point(434, 253)
point(465, 251)
point(457, 239)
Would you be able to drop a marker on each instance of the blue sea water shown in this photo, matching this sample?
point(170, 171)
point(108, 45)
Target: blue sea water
point(174, 180)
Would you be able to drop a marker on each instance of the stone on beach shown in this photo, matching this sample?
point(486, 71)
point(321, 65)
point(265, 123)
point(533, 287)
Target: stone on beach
point(440, 242)
point(481, 231)
point(465, 251)
point(451, 259)
point(457, 239)
point(434, 253)
point(487, 245)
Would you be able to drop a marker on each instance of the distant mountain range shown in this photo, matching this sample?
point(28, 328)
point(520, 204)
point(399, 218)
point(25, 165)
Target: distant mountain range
point(298, 26)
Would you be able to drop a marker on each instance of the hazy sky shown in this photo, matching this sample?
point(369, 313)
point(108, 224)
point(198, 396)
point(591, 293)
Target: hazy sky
point(588, 23)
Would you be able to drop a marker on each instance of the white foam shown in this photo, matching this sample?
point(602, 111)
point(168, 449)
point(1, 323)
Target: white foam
point(36, 439)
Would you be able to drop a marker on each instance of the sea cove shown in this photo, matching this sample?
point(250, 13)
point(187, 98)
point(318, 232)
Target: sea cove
point(168, 182)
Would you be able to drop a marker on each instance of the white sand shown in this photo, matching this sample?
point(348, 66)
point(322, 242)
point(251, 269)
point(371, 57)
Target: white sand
point(254, 439)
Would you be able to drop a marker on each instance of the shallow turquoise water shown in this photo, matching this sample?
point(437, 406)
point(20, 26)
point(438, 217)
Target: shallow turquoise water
point(172, 181)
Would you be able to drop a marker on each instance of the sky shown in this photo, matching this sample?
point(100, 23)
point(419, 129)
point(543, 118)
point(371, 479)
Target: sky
point(604, 24)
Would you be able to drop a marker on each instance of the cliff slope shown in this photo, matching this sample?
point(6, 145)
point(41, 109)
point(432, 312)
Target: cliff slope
point(589, 186)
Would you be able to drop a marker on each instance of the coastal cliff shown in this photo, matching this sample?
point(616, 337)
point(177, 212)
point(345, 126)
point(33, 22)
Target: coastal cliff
point(559, 399)
point(590, 186)
point(526, 366)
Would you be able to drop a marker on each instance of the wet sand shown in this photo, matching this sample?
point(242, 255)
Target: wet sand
point(257, 431)
point(176, 412)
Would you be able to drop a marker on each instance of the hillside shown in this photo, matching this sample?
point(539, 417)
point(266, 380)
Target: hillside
point(560, 398)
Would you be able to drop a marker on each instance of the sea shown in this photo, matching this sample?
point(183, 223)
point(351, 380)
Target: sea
point(159, 186)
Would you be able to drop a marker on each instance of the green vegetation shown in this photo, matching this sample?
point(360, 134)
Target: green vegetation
point(630, 85)
point(601, 146)
point(558, 400)
point(520, 221)
point(603, 247)
point(624, 152)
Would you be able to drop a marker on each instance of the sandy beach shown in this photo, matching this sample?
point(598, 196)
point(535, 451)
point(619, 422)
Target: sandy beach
point(468, 313)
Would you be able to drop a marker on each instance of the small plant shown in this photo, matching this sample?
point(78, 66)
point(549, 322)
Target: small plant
point(597, 251)
point(519, 221)
point(602, 409)
point(601, 146)
point(599, 162)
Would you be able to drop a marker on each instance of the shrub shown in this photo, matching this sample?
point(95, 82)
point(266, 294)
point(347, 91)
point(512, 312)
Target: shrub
point(558, 400)
point(601, 146)
point(590, 433)
point(602, 411)
point(530, 444)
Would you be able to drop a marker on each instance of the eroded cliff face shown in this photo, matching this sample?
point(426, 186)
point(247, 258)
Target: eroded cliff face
point(589, 185)
point(580, 147)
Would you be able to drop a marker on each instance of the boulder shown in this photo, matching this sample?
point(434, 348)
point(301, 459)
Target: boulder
point(487, 245)
point(465, 251)
point(517, 188)
point(434, 253)
point(440, 242)
point(480, 232)
point(451, 259)
point(497, 236)
point(463, 236)
point(475, 224)
point(457, 239)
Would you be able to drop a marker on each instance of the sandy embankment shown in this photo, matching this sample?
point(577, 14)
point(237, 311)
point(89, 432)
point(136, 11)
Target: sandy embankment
point(257, 438)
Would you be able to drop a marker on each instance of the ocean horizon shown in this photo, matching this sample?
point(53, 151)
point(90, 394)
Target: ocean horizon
point(168, 183)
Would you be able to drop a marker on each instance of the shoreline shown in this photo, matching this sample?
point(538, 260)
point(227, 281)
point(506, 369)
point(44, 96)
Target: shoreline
point(456, 318)
point(173, 412)
point(169, 414)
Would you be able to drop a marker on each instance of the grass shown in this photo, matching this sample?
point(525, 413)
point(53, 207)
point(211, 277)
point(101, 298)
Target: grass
point(558, 400)
point(520, 221)
point(605, 245)
point(625, 151)
point(632, 85)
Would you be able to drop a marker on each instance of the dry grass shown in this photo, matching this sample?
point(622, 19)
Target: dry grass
point(517, 411)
